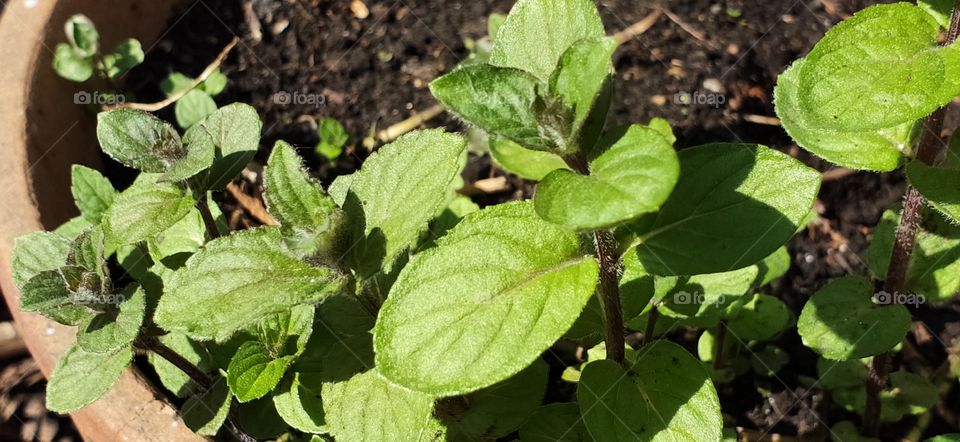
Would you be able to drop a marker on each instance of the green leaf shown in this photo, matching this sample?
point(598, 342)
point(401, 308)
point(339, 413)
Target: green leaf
point(175, 380)
point(934, 269)
point(840, 374)
point(47, 293)
point(92, 192)
point(878, 150)
point(193, 107)
point(843, 321)
point(146, 209)
point(73, 227)
point(234, 132)
point(633, 176)
point(174, 83)
point(537, 32)
point(939, 185)
point(237, 280)
point(846, 431)
point(71, 65)
point(332, 133)
point(496, 292)
point(253, 372)
point(733, 205)
point(259, 419)
point(585, 71)
point(769, 360)
point(773, 267)
point(367, 407)
point(525, 163)
point(761, 318)
point(81, 377)
point(706, 299)
point(498, 100)
point(215, 83)
point(666, 395)
point(300, 405)
point(124, 57)
point(400, 188)
point(880, 68)
point(286, 332)
point(37, 252)
point(952, 437)
point(111, 331)
point(182, 238)
point(293, 197)
point(139, 140)
point(82, 35)
point(205, 412)
point(558, 422)
point(497, 410)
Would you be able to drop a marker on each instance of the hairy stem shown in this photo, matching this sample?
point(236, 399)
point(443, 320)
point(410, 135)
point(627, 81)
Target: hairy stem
point(928, 151)
point(610, 293)
point(198, 376)
point(208, 221)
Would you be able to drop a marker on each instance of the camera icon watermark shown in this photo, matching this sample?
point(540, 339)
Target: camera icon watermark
point(886, 298)
point(695, 298)
point(98, 98)
point(89, 297)
point(285, 98)
point(699, 98)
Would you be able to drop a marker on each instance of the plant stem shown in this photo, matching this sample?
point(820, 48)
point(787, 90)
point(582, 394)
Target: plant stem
point(928, 151)
point(651, 326)
point(198, 376)
point(208, 221)
point(610, 293)
point(718, 343)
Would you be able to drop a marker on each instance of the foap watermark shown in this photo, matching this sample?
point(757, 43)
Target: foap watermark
point(285, 98)
point(98, 98)
point(696, 298)
point(886, 298)
point(699, 98)
point(90, 297)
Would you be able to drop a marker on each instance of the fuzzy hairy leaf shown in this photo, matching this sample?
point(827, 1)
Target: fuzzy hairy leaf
point(667, 395)
point(127, 54)
point(940, 185)
point(537, 32)
point(237, 280)
point(772, 267)
point(760, 318)
point(146, 209)
point(204, 412)
point(733, 205)
point(525, 163)
point(233, 132)
point(844, 320)
point(878, 149)
point(708, 298)
point(37, 252)
point(583, 75)
point(292, 196)
point(396, 193)
point(92, 192)
point(47, 294)
point(138, 139)
point(111, 331)
point(253, 372)
point(367, 407)
point(498, 100)
point(880, 68)
point(81, 377)
point(633, 176)
point(934, 269)
point(496, 292)
point(70, 64)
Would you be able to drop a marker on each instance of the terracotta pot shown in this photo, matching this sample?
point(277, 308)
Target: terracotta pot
point(42, 132)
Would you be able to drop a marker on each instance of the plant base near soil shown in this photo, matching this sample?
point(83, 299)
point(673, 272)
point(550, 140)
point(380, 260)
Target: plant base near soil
point(373, 72)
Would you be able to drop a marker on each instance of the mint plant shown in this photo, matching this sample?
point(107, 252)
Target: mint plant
point(870, 96)
point(198, 102)
point(332, 138)
point(80, 58)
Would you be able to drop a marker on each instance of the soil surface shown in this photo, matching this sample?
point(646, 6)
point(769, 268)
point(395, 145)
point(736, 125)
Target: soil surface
point(369, 67)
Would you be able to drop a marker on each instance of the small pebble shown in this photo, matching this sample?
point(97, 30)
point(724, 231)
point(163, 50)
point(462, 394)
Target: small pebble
point(714, 85)
point(359, 9)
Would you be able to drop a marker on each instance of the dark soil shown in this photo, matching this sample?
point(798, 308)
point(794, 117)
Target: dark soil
point(372, 72)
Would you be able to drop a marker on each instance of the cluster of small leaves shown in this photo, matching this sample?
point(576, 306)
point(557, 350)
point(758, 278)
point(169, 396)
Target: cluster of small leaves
point(81, 57)
point(197, 102)
point(332, 138)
